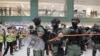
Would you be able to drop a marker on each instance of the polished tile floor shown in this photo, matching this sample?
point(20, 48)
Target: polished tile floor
point(23, 51)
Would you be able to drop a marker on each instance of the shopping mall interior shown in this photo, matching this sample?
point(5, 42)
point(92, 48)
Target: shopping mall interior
point(21, 13)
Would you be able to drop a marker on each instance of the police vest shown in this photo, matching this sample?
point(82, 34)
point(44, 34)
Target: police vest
point(54, 34)
point(74, 31)
point(95, 38)
point(14, 38)
point(20, 35)
point(9, 38)
point(45, 32)
point(1, 39)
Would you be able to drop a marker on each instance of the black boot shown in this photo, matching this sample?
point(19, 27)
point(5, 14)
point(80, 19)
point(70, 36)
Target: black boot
point(28, 51)
point(94, 53)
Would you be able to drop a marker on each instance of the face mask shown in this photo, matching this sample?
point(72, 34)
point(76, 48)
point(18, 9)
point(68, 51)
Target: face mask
point(36, 23)
point(74, 24)
point(55, 26)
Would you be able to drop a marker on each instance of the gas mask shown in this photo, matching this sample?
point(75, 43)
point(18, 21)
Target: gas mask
point(36, 23)
point(55, 26)
point(74, 24)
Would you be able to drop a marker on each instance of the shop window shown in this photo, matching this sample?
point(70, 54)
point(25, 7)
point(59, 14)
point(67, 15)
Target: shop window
point(14, 7)
point(52, 8)
point(87, 8)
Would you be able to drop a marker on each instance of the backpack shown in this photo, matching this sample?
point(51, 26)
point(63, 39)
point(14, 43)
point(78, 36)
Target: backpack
point(44, 37)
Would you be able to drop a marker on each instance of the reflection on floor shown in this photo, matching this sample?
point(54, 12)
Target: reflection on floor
point(23, 52)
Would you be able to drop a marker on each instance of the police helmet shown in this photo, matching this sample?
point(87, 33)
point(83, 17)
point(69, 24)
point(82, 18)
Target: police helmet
point(76, 19)
point(37, 21)
point(55, 21)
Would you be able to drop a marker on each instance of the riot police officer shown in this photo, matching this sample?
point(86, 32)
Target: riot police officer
point(40, 32)
point(74, 42)
point(56, 46)
point(95, 39)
